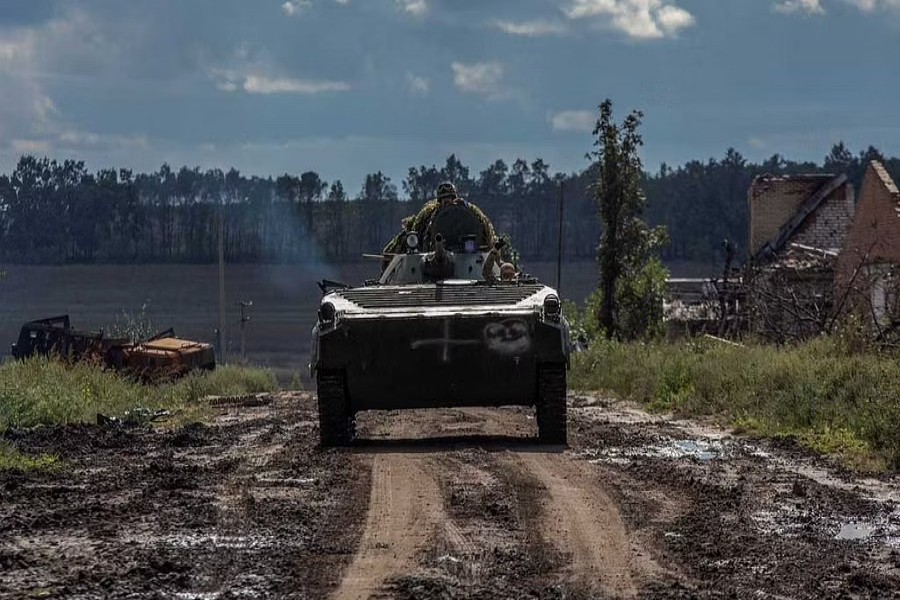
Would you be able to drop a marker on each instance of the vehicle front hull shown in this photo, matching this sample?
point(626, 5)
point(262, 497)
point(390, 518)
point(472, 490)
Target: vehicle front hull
point(428, 361)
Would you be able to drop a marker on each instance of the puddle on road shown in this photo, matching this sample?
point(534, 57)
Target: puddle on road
point(212, 541)
point(855, 531)
point(246, 585)
point(791, 521)
point(699, 450)
point(702, 451)
point(233, 542)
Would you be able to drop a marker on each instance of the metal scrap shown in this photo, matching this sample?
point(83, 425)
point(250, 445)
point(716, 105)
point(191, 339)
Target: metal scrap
point(163, 356)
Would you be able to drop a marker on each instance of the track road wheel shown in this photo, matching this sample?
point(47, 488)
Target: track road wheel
point(336, 423)
point(551, 403)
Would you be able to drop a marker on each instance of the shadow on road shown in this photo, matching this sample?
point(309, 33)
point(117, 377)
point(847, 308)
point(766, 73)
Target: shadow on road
point(489, 443)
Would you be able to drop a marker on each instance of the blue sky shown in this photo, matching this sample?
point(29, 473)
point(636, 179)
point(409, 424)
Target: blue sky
point(345, 87)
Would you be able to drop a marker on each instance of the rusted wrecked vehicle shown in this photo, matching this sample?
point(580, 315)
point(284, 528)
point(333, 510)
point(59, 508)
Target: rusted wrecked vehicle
point(162, 356)
point(441, 328)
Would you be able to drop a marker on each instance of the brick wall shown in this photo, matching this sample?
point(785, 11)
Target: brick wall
point(829, 225)
point(875, 235)
point(774, 200)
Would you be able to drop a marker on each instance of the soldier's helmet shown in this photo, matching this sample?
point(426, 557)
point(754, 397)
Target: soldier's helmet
point(446, 191)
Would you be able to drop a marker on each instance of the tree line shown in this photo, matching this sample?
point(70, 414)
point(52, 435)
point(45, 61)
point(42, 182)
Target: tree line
point(60, 212)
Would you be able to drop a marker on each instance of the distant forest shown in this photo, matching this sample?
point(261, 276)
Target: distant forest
point(59, 212)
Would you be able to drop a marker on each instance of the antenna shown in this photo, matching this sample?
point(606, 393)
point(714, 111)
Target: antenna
point(559, 249)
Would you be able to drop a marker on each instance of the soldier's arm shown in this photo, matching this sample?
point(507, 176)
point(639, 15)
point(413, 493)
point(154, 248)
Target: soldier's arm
point(420, 222)
point(488, 227)
point(491, 260)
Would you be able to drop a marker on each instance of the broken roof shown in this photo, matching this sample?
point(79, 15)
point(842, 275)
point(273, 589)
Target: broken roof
point(885, 177)
point(800, 257)
point(828, 184)
point(770, 178)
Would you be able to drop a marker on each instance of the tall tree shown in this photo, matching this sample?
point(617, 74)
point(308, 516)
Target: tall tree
point(337, 199)
point(458, 174)
point(377, 187)
point(376, 196)
point(627, 243)
point(492, 182)
point(421, 183)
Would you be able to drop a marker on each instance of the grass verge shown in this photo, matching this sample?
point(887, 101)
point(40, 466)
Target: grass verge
point(828, 399)
point(41, 391)
point(11, 459)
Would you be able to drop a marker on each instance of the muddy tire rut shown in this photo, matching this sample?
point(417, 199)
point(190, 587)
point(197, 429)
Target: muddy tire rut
point(405, 509)
point(441, 504)
point(518, 517)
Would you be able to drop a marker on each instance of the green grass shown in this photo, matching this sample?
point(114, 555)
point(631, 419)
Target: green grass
point(41, 391)
point(13, 460)
point(829, 399)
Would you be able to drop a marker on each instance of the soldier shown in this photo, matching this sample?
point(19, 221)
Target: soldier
point(447, 196)
point(421, 222)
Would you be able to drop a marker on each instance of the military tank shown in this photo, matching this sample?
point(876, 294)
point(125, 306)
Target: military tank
point(440, 328)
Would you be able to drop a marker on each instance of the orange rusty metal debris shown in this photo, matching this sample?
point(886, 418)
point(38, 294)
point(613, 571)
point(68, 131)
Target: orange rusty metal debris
point(162, 356)
point(170, 355)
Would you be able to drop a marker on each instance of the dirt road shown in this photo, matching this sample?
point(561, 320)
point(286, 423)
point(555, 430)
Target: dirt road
point(441, 504)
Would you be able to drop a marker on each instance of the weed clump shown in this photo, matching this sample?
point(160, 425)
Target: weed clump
point(42, 391)
point(819, 393)
point(11, 459)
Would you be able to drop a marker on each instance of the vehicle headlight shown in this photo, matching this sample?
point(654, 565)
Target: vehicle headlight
point(552, 308)
point(327, 312)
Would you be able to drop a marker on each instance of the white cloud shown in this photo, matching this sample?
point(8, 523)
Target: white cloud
point(810, 7)
point(75, 141)
point(75, 138)
point(478, 78)
point(536, 28)
point(673, 19)
point(638, 19)
point(872, 5)
point(817, 7)
point(229, 80)
point(757, 143)
point(257, 84)
point(417, 85)
point(417, 8)
point(573, 120)
point(15, 50)
point(295, 7)
point(72, 43)
point(30, 146)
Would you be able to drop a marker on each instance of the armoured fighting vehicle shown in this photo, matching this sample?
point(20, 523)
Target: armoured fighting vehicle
point(440, 328)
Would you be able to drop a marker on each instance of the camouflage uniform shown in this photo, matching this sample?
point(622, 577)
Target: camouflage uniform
point(420, 223)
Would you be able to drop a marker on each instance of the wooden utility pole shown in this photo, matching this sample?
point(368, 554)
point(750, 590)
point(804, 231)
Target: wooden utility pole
point(221, 332)
point(245, 317)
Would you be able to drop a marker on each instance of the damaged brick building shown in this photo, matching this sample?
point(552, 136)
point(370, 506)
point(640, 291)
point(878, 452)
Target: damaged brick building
point(798, 226)
point(868, 280)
